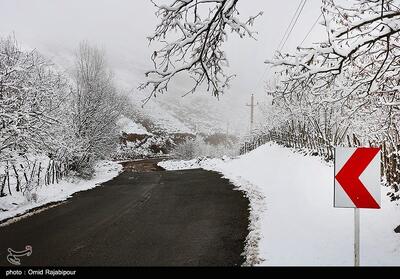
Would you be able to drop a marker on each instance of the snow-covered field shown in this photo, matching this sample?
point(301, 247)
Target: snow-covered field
point(18, 203)
point(291, 199)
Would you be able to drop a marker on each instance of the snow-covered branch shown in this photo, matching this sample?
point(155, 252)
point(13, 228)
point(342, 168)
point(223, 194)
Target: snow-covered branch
point(355, 71)
point(192, 33)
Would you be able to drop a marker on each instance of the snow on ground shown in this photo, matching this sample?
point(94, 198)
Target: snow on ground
point(130, 127)
point(291, 199)
point(18, 204)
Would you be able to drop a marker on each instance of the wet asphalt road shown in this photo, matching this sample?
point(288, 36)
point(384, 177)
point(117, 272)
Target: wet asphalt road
point(160, 218)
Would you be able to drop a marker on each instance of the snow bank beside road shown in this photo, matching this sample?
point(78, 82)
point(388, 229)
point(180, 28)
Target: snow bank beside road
point(17, 204)
point(205, 163)
point(296, 221)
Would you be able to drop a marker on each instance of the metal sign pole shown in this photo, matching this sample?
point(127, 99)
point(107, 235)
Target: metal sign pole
point(356, 237)
point(350, 191)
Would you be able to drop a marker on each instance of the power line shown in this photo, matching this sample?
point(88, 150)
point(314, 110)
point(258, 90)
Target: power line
point(294, 24)
point(390, 3)
point(261, 78)
point(311, 29)
point(286, 35)
point(290, 24)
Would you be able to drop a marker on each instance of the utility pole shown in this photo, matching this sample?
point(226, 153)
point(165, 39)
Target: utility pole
point(252, 105)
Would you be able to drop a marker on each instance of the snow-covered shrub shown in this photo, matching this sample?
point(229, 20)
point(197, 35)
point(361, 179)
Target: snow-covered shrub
point(31, 196)
point(187, 150)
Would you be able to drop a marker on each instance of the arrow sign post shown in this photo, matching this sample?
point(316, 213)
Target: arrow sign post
point(357, 184)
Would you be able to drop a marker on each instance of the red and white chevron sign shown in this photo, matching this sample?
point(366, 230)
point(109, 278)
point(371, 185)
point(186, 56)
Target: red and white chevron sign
point(357, 177)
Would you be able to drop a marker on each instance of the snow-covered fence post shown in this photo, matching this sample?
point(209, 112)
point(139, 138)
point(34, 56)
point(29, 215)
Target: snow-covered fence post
point(389, 167)
point(309, 140)
point(57, 173)
point(65, 166)
point(348, 140)
point(52, 170)
point(3, 177)
point(383, 157)
point(32, 173)
point(330, 152)
point(38, 175)
point(310, 143)
point(355, 142)
point(396, 166)
point(8, 177)
point(387, 162)
point(17, 187)
point(294, 133)
point(25, 176)
point(60, 170)
point(392, 170)
point(47, 177)
point(321, 146)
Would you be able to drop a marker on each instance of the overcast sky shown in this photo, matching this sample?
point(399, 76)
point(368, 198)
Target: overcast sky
point(55, 28)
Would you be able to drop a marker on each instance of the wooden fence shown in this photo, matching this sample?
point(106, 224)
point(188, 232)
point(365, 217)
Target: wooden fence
point(390, 152)
point(25, 177)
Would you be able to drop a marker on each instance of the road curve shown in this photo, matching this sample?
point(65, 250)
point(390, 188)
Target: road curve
point(161, 218)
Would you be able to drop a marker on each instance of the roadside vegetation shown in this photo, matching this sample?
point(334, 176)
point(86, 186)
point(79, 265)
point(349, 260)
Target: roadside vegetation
point(53, 123)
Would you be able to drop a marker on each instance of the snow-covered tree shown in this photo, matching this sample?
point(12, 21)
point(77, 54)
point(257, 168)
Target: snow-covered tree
point(31, 92)
point(192, 33)
point(349, 84)
point(355, 71)
point(95, 108)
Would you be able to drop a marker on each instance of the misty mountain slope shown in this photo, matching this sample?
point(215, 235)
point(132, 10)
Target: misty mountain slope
point(156, 119)
point(175, 114)
point(201, 114)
